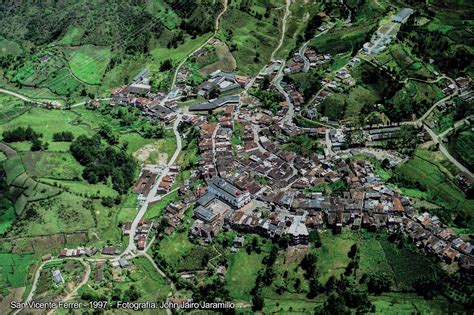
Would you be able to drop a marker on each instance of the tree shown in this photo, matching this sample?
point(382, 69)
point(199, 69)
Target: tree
point(353, 251)
point(132, 294)
point(257, 301)
point(378, 283)
point(166, 65)
point(38, 145)
point(315, 238)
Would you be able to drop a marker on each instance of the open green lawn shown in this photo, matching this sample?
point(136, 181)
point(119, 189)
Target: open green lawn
point(462, 147)
point(128, 209)
point(72, 36)
point(241, 274)
point(407, 303)
point(154, 286)
point(165, 14)
point(89, 63)
point(332, 256)
point(7, 215)
point(65, 213)
point(82, 187)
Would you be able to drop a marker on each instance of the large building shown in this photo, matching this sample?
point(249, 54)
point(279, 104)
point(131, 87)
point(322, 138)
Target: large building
point(228, 192)
point(403, 15)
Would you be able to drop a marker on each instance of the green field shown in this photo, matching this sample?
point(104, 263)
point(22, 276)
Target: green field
point(165, 14)
point(240, 29)
point(7, 216)
point(89, 63)
point(10, 107)
point(55, 165)
point(462, 147)
point(430, 170)
point(156, 210)
point(242, 272)
point(13, 271)
point(62, 83)
point(8, 47)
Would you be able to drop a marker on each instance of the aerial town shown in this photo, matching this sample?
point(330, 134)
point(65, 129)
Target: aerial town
point(213, 181)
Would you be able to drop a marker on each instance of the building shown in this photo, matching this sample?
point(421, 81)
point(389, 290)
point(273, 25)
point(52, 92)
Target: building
point(139, 88)
point(402, 15)
point(228, 192)
point(217, 103)
point(57, 277)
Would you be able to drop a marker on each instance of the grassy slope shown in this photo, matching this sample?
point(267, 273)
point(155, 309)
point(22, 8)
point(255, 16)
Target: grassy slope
point(251, 35)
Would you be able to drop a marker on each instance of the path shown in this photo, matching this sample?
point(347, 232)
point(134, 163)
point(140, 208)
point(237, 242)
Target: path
point(283, 29)
point(303, 56)
point(216, 29)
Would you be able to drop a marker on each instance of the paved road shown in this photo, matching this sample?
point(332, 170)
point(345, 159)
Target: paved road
point(445, 99)
point(291, 108)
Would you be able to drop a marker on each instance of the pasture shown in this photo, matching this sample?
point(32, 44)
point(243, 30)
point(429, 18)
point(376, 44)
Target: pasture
point(430, 170)
point(241, 274)
point(13, 271)
point(239, 29)
point(88, 62)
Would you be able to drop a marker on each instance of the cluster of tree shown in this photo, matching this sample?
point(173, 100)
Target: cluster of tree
point(406, 181)
point(20, 134)
point(333, 108)
point(156, 130)
point(197, 16)
point(343, 297)
point(302, 144)
point(166, 65)
point(310, 85)
point(315, 238)
point(264, 279)
point(387, 81)
point(308, 264)
point(313, 24)
point(212, 290)
point(379, 282)
point(408, 138)
point(65, 136)
point(269, 99)
point(28, 22)
point(450, 57)
point(104, 162)
point(355, 138)
point(26, 134)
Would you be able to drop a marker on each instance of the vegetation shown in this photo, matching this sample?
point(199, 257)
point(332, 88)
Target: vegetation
point(103, 162)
